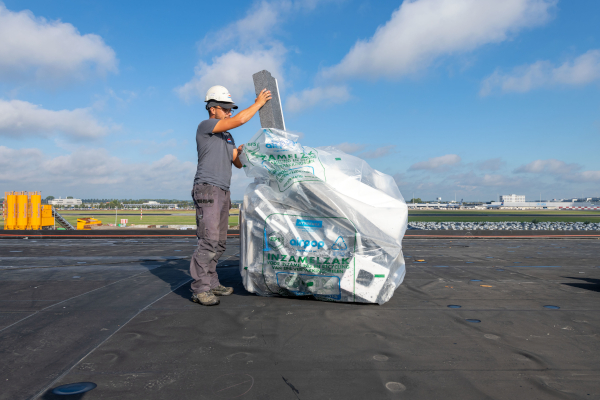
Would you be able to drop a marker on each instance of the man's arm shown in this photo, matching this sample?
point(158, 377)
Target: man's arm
point(244, 115)
point(236, 159)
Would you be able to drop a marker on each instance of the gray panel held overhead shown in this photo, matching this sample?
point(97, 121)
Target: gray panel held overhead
point(271, 114)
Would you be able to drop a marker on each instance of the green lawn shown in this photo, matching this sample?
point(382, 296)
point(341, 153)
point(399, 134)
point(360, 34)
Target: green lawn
point(187, 217)
point(184, 217)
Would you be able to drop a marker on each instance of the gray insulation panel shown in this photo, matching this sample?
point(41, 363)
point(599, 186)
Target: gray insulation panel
point(271, 114)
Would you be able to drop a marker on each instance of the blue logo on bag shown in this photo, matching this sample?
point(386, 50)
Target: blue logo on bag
point(278, 143)
point(309, 223)
point(307, 243)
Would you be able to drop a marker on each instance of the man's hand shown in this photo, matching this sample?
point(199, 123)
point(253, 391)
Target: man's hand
point(243, 116)
point(263, 97)
point(236, 156)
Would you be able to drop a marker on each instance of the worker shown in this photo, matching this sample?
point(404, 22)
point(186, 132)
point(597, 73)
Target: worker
point(216, 153)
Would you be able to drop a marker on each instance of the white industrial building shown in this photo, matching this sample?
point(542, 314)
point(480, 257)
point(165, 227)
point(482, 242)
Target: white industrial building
point(512, 198)
point(60, 202)
point(151, 204)
point(557, 205)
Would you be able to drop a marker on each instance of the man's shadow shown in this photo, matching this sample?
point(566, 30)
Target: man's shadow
point(51, 396)
point(593, 284)
point(175, 271)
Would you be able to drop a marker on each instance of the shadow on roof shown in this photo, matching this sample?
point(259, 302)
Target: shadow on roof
point(593, 284)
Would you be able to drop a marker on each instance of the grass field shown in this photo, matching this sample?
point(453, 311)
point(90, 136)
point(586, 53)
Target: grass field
point(187, 217)
point(179, 217)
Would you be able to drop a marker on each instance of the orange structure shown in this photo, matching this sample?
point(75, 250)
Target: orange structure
point(47, 218)
point(10, 210)
point(35, 211)
point(87, 223)
point(22, 203)
point(24, 210)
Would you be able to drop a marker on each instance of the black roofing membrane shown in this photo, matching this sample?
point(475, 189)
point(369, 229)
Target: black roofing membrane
point(125, 323)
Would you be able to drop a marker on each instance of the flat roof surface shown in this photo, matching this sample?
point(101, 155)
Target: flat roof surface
point(116, 312)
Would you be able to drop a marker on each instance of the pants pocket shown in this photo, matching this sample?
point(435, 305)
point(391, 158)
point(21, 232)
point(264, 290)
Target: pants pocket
point(204, 195)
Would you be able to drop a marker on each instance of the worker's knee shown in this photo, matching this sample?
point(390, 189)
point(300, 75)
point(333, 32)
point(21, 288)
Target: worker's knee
point(208, 246)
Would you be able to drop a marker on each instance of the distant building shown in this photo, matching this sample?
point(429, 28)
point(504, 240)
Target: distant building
point(60, 202)
point(557, 205)
point(512, 198)
point(151, 204)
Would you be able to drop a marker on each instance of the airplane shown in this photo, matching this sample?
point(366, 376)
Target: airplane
point(495, 206)
point(455, 205)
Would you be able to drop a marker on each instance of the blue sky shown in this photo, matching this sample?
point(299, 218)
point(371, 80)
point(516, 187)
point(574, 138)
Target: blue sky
point(468, 97)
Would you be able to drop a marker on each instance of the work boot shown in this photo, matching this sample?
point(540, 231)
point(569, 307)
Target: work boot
point(222, 290)
point(205, 298)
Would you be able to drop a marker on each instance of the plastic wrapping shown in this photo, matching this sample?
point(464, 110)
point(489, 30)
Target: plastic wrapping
point(320, 222)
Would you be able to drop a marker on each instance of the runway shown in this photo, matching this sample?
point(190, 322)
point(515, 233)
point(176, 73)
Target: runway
point(116, 312)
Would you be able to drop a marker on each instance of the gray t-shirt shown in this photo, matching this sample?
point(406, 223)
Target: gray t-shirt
point(215, 155)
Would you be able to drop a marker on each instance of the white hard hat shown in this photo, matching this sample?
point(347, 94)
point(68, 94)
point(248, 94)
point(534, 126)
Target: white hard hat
point(218, 93)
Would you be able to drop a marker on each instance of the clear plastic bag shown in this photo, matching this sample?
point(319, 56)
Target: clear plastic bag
point(319, 222)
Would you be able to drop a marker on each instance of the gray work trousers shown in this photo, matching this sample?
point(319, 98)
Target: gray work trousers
point(212, 220)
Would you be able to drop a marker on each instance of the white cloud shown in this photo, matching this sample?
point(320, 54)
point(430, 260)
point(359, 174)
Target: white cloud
point(14, 163)
point(254, 47)
point(358, 150)
point(580, 71)
point(35, 48)
point(400, 179)
point(555, 178)
point(234, 71)
point(20, 118)
point(257, 25)
point(436, 162)
point(559, 170)
point(94, 172)
point(551, 166)
point(378, 152)
point(322, 96)
point(256, 50)
point(587, 176)
point(493, 164)
point(422, 30)
point(127, 96)
point(150, 146)
point(471, 180)
point(350, 147)
point(239, 183)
